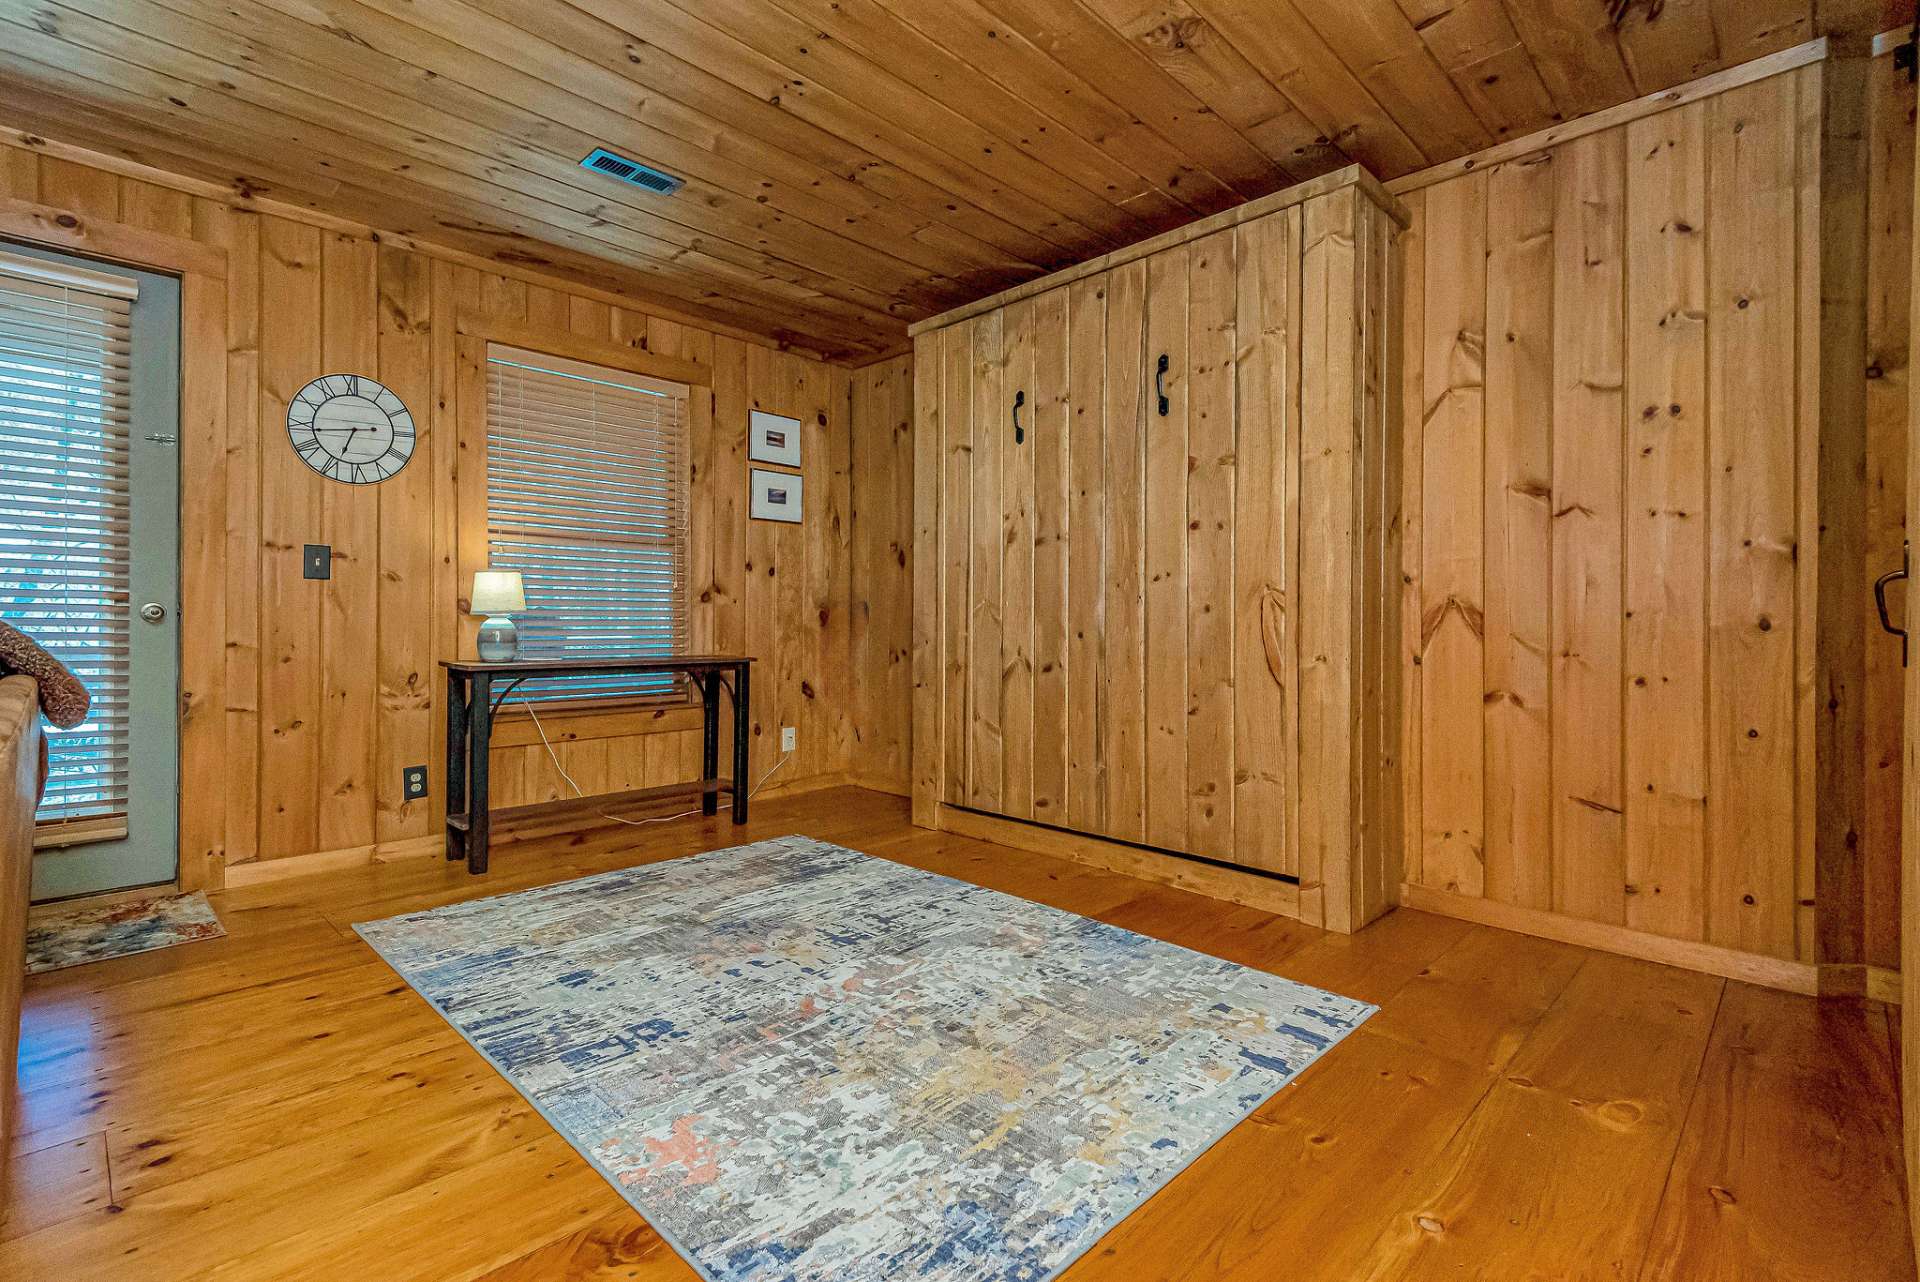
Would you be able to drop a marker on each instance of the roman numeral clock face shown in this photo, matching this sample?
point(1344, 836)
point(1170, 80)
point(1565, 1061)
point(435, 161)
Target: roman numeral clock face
point(350, 429)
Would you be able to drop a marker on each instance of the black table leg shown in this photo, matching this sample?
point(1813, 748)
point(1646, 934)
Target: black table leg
point(456, 764)
point(709, 739)
point(742, 719)
point(479, 737)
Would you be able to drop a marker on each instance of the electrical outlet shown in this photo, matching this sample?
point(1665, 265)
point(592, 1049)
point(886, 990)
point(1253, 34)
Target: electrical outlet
point(316, 561)
point(413, 782)
point(789, 738)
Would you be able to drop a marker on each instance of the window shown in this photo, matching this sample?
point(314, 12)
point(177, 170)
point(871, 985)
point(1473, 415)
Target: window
point(65, 421)
point(587, 477)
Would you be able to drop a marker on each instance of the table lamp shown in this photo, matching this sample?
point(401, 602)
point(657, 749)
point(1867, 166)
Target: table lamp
point(498, 594)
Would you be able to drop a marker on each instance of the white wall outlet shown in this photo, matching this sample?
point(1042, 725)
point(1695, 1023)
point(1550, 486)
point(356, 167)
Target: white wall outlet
point(789, 738)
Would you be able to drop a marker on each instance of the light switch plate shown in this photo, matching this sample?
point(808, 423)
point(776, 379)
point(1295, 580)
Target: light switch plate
point(316, 561)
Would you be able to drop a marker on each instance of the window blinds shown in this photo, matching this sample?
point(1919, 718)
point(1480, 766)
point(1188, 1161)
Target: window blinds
point(65, 401)
point(587, 476)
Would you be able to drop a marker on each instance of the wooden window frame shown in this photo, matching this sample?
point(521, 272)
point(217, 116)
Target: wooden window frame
point(474, 331)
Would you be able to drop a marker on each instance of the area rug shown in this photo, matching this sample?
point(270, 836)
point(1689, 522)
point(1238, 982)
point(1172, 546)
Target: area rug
point(801, 1062)
point(62, 935)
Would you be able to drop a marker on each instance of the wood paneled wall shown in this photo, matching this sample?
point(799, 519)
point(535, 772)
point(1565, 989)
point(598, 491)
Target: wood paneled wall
point(882, 421)
point(1614, 550)
point(327, 689)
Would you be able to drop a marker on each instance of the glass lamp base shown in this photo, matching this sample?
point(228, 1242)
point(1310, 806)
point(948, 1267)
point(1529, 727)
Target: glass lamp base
point(499, 640)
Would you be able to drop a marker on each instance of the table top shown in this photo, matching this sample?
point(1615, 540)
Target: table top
point(561, 667)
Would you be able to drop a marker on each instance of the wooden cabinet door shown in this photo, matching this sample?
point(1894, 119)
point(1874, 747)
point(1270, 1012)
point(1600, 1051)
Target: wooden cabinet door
point(1050, 400)
point(1084, 429)
point(983, 639)
point(1011, 426)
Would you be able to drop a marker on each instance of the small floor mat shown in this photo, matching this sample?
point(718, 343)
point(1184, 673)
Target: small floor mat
point(62, 935)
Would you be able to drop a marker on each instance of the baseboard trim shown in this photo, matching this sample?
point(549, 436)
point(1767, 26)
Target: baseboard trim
point(1248, 889)
point(259, 872)
point(1729, 963)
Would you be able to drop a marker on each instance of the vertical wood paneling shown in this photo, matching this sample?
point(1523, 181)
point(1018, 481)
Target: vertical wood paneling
point(1666, 521)
point(956, 546)
point(350, 524)
point(1165, 487)
point(1050, 400)
point(1589, 852)
point(1518, 569)
point(883, 441)
point(1753, 317)
point(1452, 615)
point(986, 654)
point(1210, 532)
point(241, 530)
point(1086, 426)
point(1697, 513)
point(1265, 660)
point(301, 701)
point(1413, 414)
point(1331, 423)
point(929, 631)
point(290, 510)
point(1128, 398)
point(1018, 609)
point(729, 416)
point(1890, 208)
point(404, 651)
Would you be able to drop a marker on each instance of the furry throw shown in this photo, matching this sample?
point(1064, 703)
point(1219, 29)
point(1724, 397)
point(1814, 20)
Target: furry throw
point(62, 697)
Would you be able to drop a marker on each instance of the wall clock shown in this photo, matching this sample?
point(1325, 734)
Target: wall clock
point(351, 429)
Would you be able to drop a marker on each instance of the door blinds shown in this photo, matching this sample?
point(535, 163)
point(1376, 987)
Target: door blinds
point(587, 477)
point(65, 402)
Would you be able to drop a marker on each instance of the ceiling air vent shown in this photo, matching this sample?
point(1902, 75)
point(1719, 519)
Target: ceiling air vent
point(600, 160)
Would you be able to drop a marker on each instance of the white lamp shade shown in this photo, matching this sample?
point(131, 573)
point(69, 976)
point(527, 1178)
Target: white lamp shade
point(497, 592)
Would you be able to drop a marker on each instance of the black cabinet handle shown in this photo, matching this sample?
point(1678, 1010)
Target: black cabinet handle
point(1159, 383)
point(1019, 432)
point(1880, 602)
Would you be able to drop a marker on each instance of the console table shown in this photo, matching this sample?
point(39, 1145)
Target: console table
point(475, 691)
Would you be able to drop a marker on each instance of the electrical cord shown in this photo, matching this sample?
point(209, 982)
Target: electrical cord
point(633, 823)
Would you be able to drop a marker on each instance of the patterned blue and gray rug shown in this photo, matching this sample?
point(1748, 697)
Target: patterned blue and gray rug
point(801, 1062)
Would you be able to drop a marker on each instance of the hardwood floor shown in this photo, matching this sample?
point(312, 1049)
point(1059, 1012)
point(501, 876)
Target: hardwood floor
point(278, 1104)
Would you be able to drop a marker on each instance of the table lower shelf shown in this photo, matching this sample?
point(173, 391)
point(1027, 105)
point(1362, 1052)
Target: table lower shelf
point(592, 806)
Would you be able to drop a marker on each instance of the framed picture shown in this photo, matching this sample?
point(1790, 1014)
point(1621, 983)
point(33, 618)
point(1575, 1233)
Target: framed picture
point(776, 496)
point(774, 439)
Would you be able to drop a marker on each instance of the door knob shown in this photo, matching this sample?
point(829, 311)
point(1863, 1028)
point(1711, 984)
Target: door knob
point(153, 612)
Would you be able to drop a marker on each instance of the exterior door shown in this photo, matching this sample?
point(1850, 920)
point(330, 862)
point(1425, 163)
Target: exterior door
point(89, 551)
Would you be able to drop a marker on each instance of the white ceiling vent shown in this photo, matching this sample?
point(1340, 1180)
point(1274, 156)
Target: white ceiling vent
point(600, 160)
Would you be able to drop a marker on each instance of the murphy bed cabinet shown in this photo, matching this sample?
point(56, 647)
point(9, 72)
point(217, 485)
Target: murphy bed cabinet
point(1156, 558)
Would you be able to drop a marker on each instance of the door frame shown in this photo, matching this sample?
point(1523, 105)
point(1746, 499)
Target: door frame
point(71, 864)
point(204, 376)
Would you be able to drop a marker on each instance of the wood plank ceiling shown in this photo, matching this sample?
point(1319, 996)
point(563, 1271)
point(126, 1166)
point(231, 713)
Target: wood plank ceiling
point(850, 165)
